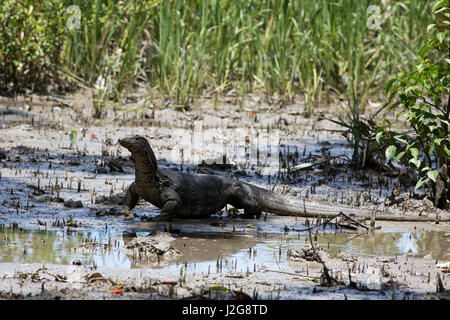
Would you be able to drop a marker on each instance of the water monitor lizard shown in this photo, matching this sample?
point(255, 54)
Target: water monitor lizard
point(185, 195)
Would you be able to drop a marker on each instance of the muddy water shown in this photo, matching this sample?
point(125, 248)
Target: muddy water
point(228, 255)
point(220, 253)
point(62, 247)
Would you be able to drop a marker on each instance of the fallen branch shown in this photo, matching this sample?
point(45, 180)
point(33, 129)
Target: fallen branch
point(38, 189)
point(354, 221)
point(338, 223)
point(57, 276)
point(363, 214)
point(315, 279)
point(325, 279)
point(313, 163)
point(290, 206)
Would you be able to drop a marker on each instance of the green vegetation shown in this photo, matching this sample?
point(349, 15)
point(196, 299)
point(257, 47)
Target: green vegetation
point(425, 99)
point(359, 132)
point(185, 49)
point(32, 34)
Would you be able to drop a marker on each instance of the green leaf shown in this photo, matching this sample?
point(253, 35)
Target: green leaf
point(219, 288)
point(424, 50)
point(447, 151)
point(402, 113)
point(401, 138)
point(431, 149)
point(389, 85)
point(414, 152)
point(392, 94)
point(399, 156)
point(378, 136)
point(436, 13)
point(421, 182)
point(390, 151)
point(441, 36)
point(430, 26)
point(396, 103)
point(416, 162)
point(432, 174)
point(440, 4)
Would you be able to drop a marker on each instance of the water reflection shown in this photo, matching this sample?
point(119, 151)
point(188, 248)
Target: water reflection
point(91, 248)
point(102, 248)
point(435, 245)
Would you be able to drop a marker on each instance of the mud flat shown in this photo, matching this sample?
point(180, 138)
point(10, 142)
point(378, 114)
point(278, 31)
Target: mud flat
point(63, 234)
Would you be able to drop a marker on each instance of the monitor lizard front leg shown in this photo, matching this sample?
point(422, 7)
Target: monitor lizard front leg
point(131, 199)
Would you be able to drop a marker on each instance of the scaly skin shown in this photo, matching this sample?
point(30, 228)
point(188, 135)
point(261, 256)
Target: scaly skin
point(187, 195)
point(184, 195)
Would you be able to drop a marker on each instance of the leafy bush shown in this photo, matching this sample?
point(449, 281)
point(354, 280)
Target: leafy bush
point(31, 38)
point(424, 98)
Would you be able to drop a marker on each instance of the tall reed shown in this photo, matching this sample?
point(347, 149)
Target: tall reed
point(277, 48)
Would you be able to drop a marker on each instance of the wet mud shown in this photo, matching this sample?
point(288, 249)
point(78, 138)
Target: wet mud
point(64, 234)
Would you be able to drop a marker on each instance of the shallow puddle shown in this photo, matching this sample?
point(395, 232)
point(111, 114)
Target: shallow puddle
point(92, 248)
point(220, 253)
point(272, 254)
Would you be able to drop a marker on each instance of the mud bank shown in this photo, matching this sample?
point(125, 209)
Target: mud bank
point(64, 235)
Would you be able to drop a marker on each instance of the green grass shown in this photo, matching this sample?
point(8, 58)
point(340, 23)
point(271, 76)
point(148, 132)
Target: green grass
point(278, 48)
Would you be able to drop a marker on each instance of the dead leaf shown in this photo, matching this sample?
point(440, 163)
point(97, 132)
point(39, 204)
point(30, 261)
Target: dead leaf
point(117, 291)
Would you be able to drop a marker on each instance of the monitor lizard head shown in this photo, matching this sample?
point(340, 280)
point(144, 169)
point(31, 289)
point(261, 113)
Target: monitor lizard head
point(140, 151)
point(136, 144)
